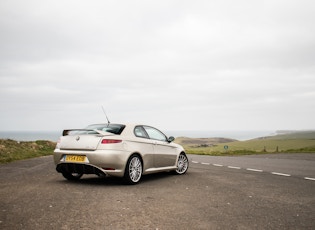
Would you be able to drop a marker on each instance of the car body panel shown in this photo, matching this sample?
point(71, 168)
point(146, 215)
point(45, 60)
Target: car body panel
point(81, 142)
point(165, 154)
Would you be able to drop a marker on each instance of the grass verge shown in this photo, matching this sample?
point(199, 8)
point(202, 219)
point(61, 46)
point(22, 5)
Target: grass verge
point(11, 150)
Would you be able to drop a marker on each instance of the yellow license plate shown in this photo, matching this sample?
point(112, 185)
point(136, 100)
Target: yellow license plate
point(75, 158)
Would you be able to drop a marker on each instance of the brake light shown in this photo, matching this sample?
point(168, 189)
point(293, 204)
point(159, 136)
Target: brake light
point(110, 141)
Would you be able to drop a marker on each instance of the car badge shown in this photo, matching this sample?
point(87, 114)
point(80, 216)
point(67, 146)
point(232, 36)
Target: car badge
point(77, 138)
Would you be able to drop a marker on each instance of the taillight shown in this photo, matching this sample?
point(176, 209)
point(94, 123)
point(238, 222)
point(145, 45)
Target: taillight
point(110, 141)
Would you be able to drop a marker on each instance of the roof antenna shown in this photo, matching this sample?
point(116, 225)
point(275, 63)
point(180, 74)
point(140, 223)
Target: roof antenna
point(105, 115)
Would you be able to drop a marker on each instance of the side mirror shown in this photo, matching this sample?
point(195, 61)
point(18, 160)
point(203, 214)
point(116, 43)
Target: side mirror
point(170, 139)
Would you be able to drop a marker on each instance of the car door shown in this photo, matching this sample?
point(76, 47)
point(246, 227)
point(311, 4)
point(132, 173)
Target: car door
point(145, 146)
point(164, 152)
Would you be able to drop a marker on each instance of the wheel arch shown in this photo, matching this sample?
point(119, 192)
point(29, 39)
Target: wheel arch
point(182, 152)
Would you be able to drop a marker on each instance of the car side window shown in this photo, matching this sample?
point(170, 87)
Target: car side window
point(155, 134)
point(139, 132)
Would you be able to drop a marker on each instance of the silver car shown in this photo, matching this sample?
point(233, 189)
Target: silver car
point(120, 150)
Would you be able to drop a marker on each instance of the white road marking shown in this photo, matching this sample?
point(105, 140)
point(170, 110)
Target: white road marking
point(280, 174)
point(251, 169)
point(309, 178)
point(234, 167)
point(254, 170)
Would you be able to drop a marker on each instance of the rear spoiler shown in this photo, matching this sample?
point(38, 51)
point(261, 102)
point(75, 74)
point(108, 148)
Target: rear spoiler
point(67, 131)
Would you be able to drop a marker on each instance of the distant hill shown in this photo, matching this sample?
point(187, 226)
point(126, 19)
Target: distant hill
point(202, 142)
point(288, 142)
point(284, 136)
point(291, 134)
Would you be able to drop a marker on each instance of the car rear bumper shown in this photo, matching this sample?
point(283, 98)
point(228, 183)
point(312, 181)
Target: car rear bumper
point(99, 162)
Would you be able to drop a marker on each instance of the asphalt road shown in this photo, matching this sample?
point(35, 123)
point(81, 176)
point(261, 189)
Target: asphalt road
point(248, 192)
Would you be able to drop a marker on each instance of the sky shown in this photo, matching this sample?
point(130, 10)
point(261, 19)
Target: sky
point(172, 64)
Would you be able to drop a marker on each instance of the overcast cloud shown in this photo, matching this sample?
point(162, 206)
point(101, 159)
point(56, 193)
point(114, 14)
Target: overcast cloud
point(177, 65)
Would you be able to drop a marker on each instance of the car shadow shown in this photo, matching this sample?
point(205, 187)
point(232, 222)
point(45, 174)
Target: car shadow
point(117, 181)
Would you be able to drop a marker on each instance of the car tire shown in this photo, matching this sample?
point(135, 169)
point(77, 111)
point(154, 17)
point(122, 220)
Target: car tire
point(72, 176)
point(133, 171)
point(182, 164)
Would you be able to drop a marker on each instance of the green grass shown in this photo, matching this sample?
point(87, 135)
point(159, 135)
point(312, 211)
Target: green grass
point(300, 142)
point(11, 150)
point(267, 145)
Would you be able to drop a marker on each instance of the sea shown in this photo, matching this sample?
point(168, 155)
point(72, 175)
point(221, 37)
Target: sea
point(240, 135)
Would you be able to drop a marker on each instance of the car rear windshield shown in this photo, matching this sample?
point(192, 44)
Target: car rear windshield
point(111, 128)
